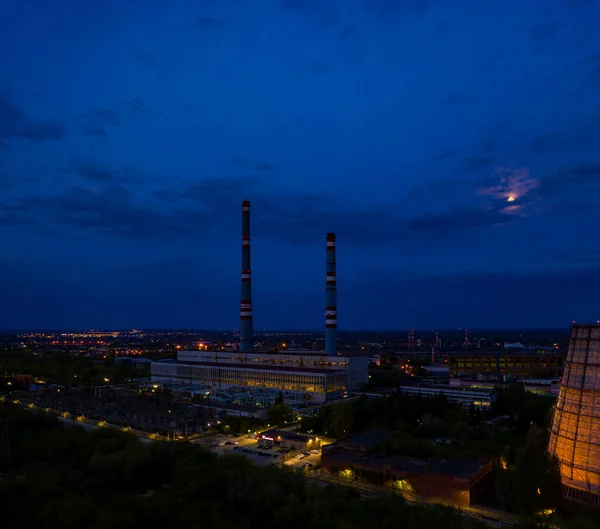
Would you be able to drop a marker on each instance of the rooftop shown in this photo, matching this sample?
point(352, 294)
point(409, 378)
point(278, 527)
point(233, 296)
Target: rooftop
point(289, 436)
point(368, 438)
point(462, 467)
point(503, 352)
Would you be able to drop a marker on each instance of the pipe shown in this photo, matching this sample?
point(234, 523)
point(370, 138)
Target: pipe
point(331, 299)
point(246, 331)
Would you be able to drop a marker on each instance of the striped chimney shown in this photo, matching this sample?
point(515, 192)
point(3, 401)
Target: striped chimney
point(331, 300)
point(246, 332)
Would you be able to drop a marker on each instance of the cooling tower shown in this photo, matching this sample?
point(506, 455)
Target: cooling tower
point(246, 332)
point(575, 432)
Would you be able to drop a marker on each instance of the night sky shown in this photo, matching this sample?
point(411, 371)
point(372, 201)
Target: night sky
point(453, 146)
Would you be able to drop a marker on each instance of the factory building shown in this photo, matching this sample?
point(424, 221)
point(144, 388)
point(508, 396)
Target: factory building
point(575, 431)
point(301, 377)
point(463, 481)
point(540, 364)
point(479, 398)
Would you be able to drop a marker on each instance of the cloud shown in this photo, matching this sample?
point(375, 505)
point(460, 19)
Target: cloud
point(183, 209)
point(137, 104)
point(511, 184)
point(446, 154)
point(251, 165)
point(437, 225)
point(94, 130)
point(110, 209)
point(474, 164)
point(95, 172)
point(585, 258)
point(464, 298)
point(581, 176)
point(205, 23)
point(542, 33)
point(147, 59)
point(552, 141)
point(97, 121)
point(105, 117)
point(15, 123)
point(458, 100)
point(211, 193)
point(580, 4)
point(593, 76)
point(318, 12)
point(314, 66)
point(387, 8)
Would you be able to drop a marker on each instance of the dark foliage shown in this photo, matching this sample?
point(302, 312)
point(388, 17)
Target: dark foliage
point(66, 479)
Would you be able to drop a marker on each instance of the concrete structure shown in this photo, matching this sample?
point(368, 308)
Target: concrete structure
point(142, 364)
point(458, 480)
point(498, 363)
point(331, 299)
point(437, 370)
point(301, 377)
point(575, 431)
point(246, 329)
point(479, 398)
point(539, 386)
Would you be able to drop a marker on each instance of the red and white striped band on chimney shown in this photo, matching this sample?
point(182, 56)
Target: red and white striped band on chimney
point(246, 276)
point(246, 309)
point(330, 317)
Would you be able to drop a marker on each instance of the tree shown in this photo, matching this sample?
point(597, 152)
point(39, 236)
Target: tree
point(341, 419)
point(278, 414)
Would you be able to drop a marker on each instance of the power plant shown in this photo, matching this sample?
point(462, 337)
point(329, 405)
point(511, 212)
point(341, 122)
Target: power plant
point(249, 378)
point(575, 432)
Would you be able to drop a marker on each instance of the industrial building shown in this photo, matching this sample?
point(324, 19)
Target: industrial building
point(460, 480)
point(479, 398)
point(300, 377)
point(292, 440)
point(575, 431)
point(307, 377)
point(539, 364)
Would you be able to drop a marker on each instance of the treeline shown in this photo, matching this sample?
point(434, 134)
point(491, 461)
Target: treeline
point(66, 478)
point(426, 417)
point(394, 412)
point(62, 368)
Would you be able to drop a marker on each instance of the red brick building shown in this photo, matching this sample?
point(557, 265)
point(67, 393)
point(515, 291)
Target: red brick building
point(461, 480)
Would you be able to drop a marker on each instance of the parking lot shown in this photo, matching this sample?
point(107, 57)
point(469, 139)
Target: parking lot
point(261, 455)
point(309, 461)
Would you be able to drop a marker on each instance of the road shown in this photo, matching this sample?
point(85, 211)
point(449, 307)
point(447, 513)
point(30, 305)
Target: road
point(88, 427)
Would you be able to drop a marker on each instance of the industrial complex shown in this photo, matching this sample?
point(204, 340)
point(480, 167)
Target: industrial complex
point(249, 378)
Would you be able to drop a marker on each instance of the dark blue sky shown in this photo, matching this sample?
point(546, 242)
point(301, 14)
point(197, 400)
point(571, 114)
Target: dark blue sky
point(454, 146)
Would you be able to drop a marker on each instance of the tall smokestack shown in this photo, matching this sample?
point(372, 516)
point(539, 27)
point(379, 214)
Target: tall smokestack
point(246, 331)
point(331, 300)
